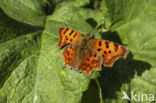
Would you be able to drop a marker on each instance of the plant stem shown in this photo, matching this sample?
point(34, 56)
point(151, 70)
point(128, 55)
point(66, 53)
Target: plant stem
point(100, 90)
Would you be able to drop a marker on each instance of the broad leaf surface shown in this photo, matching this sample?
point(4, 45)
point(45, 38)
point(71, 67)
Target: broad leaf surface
point(134, 22)
point(35, 65)
point(19, 50)
point(63, 85)
point(31, 65)
point(27, 11)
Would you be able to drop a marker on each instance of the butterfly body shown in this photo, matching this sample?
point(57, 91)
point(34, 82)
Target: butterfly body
point(85, 54)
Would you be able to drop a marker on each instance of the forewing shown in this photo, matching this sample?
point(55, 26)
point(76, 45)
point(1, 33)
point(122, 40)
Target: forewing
point(68, 36)
point(110, 51)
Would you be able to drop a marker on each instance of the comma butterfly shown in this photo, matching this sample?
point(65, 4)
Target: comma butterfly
point(85, 54)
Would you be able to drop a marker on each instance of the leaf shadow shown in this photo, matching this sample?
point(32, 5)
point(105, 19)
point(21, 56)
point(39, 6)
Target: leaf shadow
point(14, 28)
point(123, 71)
point(92, 94)
point(92, 22)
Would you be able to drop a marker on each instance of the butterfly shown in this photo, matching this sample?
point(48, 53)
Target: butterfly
point(85, 54)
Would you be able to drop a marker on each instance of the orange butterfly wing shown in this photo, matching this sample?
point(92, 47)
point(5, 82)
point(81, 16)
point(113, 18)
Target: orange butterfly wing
point(110, 51)
point(67, 36)
point(91, 61)
point(69, 54)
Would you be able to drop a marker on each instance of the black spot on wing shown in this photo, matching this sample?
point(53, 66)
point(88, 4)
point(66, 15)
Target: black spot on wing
point(98, 49)
point(94, 54)
point(71, 32)
point(66, 30)
point(109, 51)
point(75, 35)
point(107, 44)
point(100, 43)
point(70, 47)
point(105, 52)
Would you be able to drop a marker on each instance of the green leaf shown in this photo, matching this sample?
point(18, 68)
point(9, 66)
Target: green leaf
point(76, 3)
point(137, 24)
point(19, 50)
point(36, 73)
point(93, 17)
point(133, 24)
point(31, 65)
point(15, 45)
point(29, 11)
point(63, 85)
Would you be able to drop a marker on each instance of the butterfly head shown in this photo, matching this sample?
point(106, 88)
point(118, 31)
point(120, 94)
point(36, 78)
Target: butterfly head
point(87, 36)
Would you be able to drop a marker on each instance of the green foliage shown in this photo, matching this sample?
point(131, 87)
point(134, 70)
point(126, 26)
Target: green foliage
point(31, 65)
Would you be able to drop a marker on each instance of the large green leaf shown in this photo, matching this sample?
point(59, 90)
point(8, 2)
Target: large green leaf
point(19, 50)
point(29, 11)
point(61, 85)
point(31, 65)
point(134, 22)
point(36, 73)
point(15, 44)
